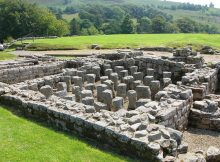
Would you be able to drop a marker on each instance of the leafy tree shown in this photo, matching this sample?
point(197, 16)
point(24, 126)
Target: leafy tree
point(127, 26)
point(159, 24)
point(75, 26)
point(144, 25)
point(172, 28)
point(93, 31)
point(186, 25)
point(112, 27)
point(19, 18)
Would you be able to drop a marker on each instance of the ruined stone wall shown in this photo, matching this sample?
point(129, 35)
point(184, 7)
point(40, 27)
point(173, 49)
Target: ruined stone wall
point(123, 131)
point(205, 115)
point(202, 81)
point(19, 74)
point(175, 110)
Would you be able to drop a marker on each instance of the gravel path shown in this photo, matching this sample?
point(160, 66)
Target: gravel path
point(199, 139)
point(208, 58)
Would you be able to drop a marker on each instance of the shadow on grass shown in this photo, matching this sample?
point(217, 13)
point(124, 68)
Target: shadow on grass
point(73, 136)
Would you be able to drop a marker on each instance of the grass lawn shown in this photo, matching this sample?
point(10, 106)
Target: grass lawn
point(129, 40)
point(22, 140)
point(6, 56)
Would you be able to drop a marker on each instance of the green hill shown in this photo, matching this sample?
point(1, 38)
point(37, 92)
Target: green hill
point(210, 16)
point(64, 3)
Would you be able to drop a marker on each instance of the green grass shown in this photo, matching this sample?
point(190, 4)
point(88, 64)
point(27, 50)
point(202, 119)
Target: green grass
point(125, 41)
point(6, 56)
point(24, 141)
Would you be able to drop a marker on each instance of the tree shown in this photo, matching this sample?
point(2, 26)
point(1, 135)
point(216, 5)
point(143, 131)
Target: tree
point(75, 26)
point(112, 27)
point(159, 24)
point(19, 18)
point(144, 25)
point(211, 5)
point(172, 28)
point(186, 25)
point(127, 26)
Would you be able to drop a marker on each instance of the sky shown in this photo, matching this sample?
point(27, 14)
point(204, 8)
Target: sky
point(202, 2)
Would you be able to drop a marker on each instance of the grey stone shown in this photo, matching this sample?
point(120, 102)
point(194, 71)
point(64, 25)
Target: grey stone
point(77, 81)
point(213, 154)
point(154, 136)
point(81, 74)
point(100, 89)
point(123, 74)
point(139, 134)
point(47, 91)
point(108, 72)
point(122, 90)
point(133, 69)
point(117, 103)
point(155, 87)
point(107, 96)
point(90, 78)
point(61, 86)
point(114, 79)
point(67, 79)
point(138, 76)
point(128, 80)
point(90, 87)
point(88, 101)
point(86, 93)
point(77, 91)
point(142, 102)
point(100, 106)
point(90, 109)
point(147, 80)
point(150, 72)
point(143, 92)
point(175, 134)
point(183, 148)
point(167, 74)
point(132, 99)
point(103, 79)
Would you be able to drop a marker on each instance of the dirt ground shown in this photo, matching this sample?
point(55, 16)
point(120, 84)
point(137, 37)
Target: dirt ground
point(208, 58)
point(199, 139)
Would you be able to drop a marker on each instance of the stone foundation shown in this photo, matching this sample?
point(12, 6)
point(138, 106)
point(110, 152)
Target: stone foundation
point(134, 103)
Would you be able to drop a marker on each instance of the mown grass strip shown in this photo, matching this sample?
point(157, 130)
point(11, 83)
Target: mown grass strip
point(24, 140)
point(127, 41)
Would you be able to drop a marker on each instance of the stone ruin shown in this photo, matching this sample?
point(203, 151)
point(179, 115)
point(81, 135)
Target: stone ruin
point(137, 104)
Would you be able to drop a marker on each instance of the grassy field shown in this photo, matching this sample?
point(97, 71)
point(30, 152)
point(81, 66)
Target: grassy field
point(127, 41)
point(22, 140)
point(6, 56)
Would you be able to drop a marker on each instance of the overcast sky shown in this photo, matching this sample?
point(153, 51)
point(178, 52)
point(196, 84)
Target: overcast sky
point(202, 2)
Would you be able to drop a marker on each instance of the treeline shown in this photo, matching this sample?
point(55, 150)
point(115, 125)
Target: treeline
point(189, 6)
point(128, 19)
point(19, 18)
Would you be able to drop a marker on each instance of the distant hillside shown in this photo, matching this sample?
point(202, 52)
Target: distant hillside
point(200, 14)
point(64, 3)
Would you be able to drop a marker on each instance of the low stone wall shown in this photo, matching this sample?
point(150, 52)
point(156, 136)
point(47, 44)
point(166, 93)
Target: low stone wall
point(160, 65)
point(128, 132)
point(205, 115)
point(202, 81)
point(175, 110)
point(15, 75)
point(162, 49)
